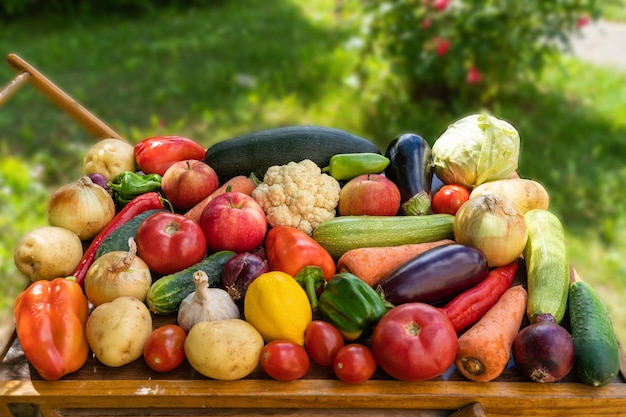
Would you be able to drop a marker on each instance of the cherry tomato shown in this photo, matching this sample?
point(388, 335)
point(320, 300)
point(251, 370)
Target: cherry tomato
point(322, 341)
point(155, 155)
point(354, 363)
point(165, 348)
point(169, 242)
point(414, 342)
point(284, 360)
point(449, 198)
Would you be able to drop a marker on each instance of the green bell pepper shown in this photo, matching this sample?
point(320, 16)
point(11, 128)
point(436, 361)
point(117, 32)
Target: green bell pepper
point(128, 185)
point(351, 305)
point(345, 166)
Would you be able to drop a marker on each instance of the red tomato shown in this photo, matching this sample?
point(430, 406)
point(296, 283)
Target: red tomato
point(322, 341)
point(155, 155)
point(354, 363)
point(414, 342)
point(170, 242)
point(284, 360)
point(449, 198)
point(165, 348)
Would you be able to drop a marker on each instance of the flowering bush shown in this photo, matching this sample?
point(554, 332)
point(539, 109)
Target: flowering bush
point(468, 48)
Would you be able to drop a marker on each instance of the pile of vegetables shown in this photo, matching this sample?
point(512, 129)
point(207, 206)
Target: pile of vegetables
point(469, 270)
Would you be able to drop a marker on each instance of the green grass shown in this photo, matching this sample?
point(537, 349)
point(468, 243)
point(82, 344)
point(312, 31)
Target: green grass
point(218, 71)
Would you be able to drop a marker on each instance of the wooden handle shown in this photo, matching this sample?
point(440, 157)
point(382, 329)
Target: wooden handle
point(84, 117)
point(13, 86)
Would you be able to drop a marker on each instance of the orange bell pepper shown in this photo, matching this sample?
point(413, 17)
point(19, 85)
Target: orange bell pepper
point(50, 318)
point(289, 250)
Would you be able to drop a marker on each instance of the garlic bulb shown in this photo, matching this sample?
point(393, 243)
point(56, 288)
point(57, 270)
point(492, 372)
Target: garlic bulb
point(205, 304)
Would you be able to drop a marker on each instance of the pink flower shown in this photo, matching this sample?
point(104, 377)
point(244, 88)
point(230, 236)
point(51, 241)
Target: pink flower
point(426, 24)
point(473, 76)
point(442, 46)
point(582, 21)
point(440, 4)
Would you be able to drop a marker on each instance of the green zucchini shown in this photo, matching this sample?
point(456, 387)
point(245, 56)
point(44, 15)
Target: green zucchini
point(341, 234)
point(547, 265)
point(166, 293)
point(118, 239)
point(255, 152)
point(597, 351)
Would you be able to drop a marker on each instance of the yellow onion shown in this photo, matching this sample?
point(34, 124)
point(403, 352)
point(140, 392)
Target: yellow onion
point(82, 207)
point(117, 274)
point(495, 225)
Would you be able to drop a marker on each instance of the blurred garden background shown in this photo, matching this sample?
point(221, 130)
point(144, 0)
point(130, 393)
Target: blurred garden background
point(210, 70)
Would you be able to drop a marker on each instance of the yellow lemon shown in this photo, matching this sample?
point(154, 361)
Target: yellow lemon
point(277, 306)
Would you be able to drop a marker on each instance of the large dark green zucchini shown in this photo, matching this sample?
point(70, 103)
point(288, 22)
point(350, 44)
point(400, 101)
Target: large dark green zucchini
point(255, 152)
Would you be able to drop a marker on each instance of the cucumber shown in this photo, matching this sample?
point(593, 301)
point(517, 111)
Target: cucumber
point(255, 152)
point(118, 239)
point(341, 234)
point(166, 293)
point(547, 265)
point(597, 351)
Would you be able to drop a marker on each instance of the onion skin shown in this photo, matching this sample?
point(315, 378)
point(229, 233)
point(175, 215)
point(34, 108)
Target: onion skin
point(495, 225)
point(240, 271)
point(82, 207)
point(544, 351)
point(117, 274)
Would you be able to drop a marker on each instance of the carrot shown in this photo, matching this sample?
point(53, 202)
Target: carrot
point(372, 265)
point(484, 349)
point(240, 183)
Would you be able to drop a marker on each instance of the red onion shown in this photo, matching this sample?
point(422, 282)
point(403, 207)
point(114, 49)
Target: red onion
point(240, 271)
point(544, 351)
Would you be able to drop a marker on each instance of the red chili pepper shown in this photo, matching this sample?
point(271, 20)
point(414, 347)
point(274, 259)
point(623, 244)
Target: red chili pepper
point(50, 319)
point(147, 201)
point(469, 306)
point(289, 250)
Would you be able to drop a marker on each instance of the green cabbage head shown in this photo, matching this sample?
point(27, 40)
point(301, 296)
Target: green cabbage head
point(476, 149)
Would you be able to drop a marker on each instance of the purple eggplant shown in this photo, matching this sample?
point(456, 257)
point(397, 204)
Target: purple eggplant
point(410, 168)
point(436, 275)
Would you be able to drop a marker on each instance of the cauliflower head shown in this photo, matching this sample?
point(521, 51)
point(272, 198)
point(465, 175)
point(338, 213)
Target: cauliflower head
point(297, 194)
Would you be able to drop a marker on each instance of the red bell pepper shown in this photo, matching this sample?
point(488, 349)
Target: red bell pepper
point(155, 155)
point(289, 250)
point(50, 318)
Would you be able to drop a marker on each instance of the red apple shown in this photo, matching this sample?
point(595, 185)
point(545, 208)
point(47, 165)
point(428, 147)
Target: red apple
point(371, 195)
point(233, 221)
point(188, 182)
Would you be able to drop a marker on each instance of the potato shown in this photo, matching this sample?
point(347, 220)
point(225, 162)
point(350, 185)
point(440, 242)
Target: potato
point(226, 349)
point(117, 331)
point(48, 252)
point(110, 157)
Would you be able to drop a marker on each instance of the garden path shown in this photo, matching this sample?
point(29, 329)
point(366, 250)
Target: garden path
point(602, 43)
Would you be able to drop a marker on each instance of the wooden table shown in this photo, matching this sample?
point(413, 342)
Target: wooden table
point(135, 390)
